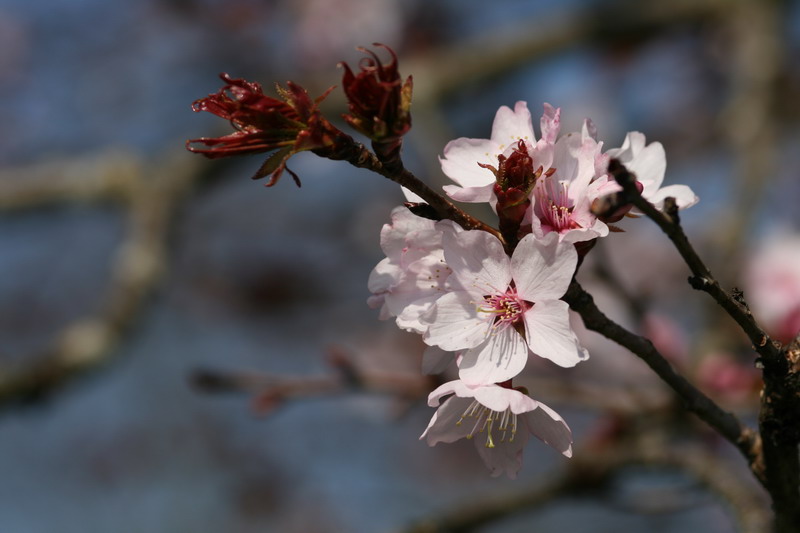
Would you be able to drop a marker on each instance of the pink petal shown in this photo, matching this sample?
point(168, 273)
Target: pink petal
point(511, 126)
point(550, 428)
point(550, 123)
point(501, 357)
point(454, 323)
point(478, 261)
point(443, 426)
point(461, 158)
point(543, 269)
point(505, 457)
point(549, 334)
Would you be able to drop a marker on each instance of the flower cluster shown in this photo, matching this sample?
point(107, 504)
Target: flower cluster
point(491, 302)
point(486, 299)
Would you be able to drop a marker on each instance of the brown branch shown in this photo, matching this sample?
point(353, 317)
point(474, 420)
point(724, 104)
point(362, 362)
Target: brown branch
point(151, 198)
point(701, 278)
point(779, 423)
point(728, 425)
point(777, 464)
point(359, 156)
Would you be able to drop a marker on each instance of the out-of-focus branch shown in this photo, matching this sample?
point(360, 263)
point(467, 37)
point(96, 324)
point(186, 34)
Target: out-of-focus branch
point(591, 470)
point(749, 118)
point(151, 198)
point(443, 71)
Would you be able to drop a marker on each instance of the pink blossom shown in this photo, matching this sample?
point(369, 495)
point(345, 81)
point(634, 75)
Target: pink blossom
point(497, 309)
point(463, 157)
point(572, 171)
point(406, 283)
point(501, 418)
point(724, 376)
point(773, 285)
point(649, 163)
point(563, 197)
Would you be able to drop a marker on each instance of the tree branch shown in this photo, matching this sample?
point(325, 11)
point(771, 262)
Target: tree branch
point(777, 464)
point(701, 278)
point(727, 424)
point(359, 156)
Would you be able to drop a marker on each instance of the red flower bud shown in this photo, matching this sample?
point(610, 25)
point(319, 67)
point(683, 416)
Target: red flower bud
point(287, 125)
point(515, 178)
point(379, 101)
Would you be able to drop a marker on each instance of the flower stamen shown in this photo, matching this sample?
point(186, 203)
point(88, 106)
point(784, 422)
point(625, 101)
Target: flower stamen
point(485, 419)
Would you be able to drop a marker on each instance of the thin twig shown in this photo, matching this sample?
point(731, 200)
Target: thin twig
point(727, 424)
point(359, 156)
point(701, 278)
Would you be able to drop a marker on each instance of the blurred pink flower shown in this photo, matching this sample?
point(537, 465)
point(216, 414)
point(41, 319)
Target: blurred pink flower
point(772, 282)
point(668, 338)
point(507, 418)
point(723, 376)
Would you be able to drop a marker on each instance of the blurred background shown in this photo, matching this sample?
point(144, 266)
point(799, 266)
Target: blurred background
point(185, 350)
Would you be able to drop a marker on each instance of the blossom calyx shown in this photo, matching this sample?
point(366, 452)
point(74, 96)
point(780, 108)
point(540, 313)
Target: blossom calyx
point(286, 125)
point(378, 99)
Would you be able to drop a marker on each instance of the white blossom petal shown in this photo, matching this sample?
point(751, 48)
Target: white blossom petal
point(549, 334)
point(543, 269)
point(511, 126)
point(505, 457)
point(461, 158)
point(444, 426)
point(478, 261)
point(501, 357)
point(454, 324)
point(550, 428)
point(684, 196)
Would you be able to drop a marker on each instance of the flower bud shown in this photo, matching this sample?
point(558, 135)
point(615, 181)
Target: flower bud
point(286, 125)
point(378, 99)
point(514, 181)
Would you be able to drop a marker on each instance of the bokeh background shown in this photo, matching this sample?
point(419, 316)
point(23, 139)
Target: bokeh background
point(151, 301)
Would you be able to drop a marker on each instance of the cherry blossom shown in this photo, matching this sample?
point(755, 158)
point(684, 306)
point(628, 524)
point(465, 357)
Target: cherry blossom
point(497, 309)
point(463, 157)
point(570, 171)
point(773, 285)
point(407, 282)
point(562, 198)
point(499, 419)
point(649, 163)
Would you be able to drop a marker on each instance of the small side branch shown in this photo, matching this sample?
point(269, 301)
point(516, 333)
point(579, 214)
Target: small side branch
point(359, 156)
point(727, 424)
point(701, 278)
